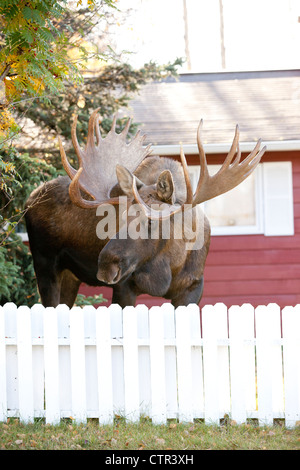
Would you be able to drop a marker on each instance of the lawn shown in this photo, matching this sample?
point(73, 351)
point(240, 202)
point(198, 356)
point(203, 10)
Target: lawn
point(146, 436)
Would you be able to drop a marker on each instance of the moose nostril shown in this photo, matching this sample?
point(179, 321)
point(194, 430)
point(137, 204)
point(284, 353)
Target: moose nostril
point(109, 274)
point(112, 273)
point(115, 278)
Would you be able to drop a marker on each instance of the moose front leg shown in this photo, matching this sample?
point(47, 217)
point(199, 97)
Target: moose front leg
point(48, 278)
point(124, 295)
point(191, 295)
point(69, 288)
point(49, 286)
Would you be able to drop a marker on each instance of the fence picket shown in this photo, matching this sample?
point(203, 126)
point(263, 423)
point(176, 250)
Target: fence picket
point(25, 371)
point(144, 360)
point(104, 366)
point(131, 365)
point(78, 375)
point(12, 390)
point(215, 362)
point(64, 359)
point(242, 361)
point(91, 374)
point(157, 362)
point(95, 363)
point(168, 313)
point(210, 365)
point(10, 315)
point(223, 358)
point(197, 367)
point(291, 355)
point(63, 322)
point(3, 359)
point(269, 362)
point(51, 360)
point(184, 364)
point(38, 370)
point(117, 358)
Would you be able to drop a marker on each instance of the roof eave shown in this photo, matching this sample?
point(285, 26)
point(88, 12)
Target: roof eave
point(192, 149)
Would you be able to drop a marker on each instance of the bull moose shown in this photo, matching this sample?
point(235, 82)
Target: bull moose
point(62, 219)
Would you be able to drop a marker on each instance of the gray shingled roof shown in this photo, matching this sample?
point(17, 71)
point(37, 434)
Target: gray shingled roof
point(264, 104)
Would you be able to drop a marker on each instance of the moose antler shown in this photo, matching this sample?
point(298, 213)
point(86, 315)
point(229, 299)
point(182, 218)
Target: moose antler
point(230, 175)
point(96, 175)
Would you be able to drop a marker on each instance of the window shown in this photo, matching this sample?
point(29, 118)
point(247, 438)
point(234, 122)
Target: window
point(21, 231)
point(263, 203)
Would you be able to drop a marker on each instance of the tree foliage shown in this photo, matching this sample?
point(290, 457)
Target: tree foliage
point(36, 38)
point(110, 90)
point(36, 45)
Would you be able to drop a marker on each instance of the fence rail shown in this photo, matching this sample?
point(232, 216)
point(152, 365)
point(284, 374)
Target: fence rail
point(162, 362)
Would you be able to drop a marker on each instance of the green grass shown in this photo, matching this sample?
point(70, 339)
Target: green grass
point(145, 436)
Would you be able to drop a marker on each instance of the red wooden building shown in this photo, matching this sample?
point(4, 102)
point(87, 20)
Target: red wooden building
point(255, 248)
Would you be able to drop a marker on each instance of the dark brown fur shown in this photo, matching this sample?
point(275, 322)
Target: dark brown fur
point(66, 250)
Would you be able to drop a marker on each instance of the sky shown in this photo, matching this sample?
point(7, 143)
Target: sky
point(258, 34)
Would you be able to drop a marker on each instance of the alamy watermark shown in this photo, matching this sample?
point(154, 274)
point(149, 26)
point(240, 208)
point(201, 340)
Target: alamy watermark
point(129, 221)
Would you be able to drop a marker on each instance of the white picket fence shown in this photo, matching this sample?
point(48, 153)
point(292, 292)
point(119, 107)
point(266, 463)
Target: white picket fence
point(159, 362)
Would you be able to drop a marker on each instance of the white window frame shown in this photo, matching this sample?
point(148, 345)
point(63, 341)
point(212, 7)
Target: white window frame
point(270, 220)
point(23, 236)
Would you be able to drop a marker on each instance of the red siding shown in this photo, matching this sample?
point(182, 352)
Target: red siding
point(249, 268)
point(255, 268)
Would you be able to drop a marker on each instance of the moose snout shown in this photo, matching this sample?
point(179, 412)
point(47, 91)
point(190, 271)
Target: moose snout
point(115, 263)
point(110, 274)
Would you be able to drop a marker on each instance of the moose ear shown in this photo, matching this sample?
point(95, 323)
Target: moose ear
point(165, 187)
point(125, 179)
